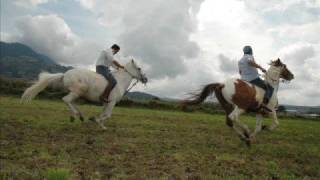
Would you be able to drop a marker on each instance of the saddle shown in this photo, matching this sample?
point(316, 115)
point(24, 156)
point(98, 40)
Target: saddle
point(268, 94)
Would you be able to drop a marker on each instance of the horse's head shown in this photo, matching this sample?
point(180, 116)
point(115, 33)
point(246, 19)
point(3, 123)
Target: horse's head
point(135, 71)
point(280, 70)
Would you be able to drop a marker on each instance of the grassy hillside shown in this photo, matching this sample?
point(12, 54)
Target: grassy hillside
point(38, 141)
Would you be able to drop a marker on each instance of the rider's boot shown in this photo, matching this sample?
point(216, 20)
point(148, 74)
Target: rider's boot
point(264, 105)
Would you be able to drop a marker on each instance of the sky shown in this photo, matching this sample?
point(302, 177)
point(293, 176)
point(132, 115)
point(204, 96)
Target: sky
point(181, 44)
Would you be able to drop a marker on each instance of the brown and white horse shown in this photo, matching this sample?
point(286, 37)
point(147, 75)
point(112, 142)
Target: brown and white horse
point(237, 96)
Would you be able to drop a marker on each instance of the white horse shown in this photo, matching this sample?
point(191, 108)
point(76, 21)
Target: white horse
point(89, 85)
point(237, 96)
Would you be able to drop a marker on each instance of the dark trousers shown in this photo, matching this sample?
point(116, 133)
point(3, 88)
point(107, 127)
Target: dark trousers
point(105, 72)
point(262, 84)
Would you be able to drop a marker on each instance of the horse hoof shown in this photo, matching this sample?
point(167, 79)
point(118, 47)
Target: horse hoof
point(92, 119)
point(81, 118)
point(248, 142)
point(102, 126)
point(229, 123)
point(246, 134)
point(253, 139)
point(265, 127)
point(71, 119)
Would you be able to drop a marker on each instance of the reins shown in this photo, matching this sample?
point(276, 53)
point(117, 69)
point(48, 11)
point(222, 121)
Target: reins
point(274, 80)
point(130, 73)
point(134, 84)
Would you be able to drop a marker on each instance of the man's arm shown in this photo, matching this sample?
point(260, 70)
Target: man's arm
point(117, 64)
point(253, 64)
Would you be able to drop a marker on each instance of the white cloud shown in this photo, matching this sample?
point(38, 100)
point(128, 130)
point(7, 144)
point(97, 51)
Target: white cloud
point(297, 54)
point(307, 32)
point(50, 35)
point(30, 3)
point(303, 60)
point(227, 65)
point(88, 4)
point(199, 72)
point(226, 30)
point(6, 37)
point(153, 32)
point(281, 12)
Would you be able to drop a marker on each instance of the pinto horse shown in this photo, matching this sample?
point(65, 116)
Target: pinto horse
point(89, 85)
point(237, 96)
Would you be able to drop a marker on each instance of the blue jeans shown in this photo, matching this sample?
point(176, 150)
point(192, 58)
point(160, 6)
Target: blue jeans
point(262, 84)
point(106, 73)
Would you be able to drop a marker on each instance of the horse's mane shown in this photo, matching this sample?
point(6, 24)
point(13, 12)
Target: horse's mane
point(115, 72)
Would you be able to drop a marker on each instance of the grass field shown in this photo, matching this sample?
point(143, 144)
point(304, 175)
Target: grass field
point(38, 141)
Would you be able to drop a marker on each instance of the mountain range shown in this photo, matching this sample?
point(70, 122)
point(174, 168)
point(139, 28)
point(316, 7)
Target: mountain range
point(21, 62)
point(136, 95)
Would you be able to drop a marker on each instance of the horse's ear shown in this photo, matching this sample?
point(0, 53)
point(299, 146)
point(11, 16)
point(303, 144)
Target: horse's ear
point(277, 62)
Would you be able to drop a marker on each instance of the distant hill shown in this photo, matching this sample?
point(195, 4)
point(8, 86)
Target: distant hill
point(302, 109)
point(135, 95)
point(20, 61)
point(170, 99)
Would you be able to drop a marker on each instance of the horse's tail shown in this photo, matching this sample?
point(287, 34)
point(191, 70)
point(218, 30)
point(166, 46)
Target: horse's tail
point(45, 79)
point(205, 92)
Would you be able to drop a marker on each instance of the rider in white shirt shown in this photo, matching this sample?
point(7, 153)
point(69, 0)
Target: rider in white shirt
point(248, 72)
point(103, 64)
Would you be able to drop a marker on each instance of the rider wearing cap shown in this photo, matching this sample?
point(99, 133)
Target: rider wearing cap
point(248, 72)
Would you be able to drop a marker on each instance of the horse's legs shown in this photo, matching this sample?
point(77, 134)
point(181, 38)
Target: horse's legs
point(228, 120)
point(81, 117)
point(275, 121)
point(105, 114)
point(68, 99)
point(258, 126)
point(238, 126)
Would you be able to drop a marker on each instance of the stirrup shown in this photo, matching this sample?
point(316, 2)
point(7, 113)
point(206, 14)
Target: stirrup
point(104, 100)
point(265, 108)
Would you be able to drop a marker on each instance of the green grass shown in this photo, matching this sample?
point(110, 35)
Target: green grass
point(38, 141)
point(57, 174)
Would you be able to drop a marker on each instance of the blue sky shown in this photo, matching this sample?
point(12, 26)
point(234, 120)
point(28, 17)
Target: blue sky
point(196, 41)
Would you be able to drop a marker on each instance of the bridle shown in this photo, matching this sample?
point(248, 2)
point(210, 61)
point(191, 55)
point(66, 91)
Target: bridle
point(269, 77)
point(276, 80)
point(134, 77)
point(131, 74)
